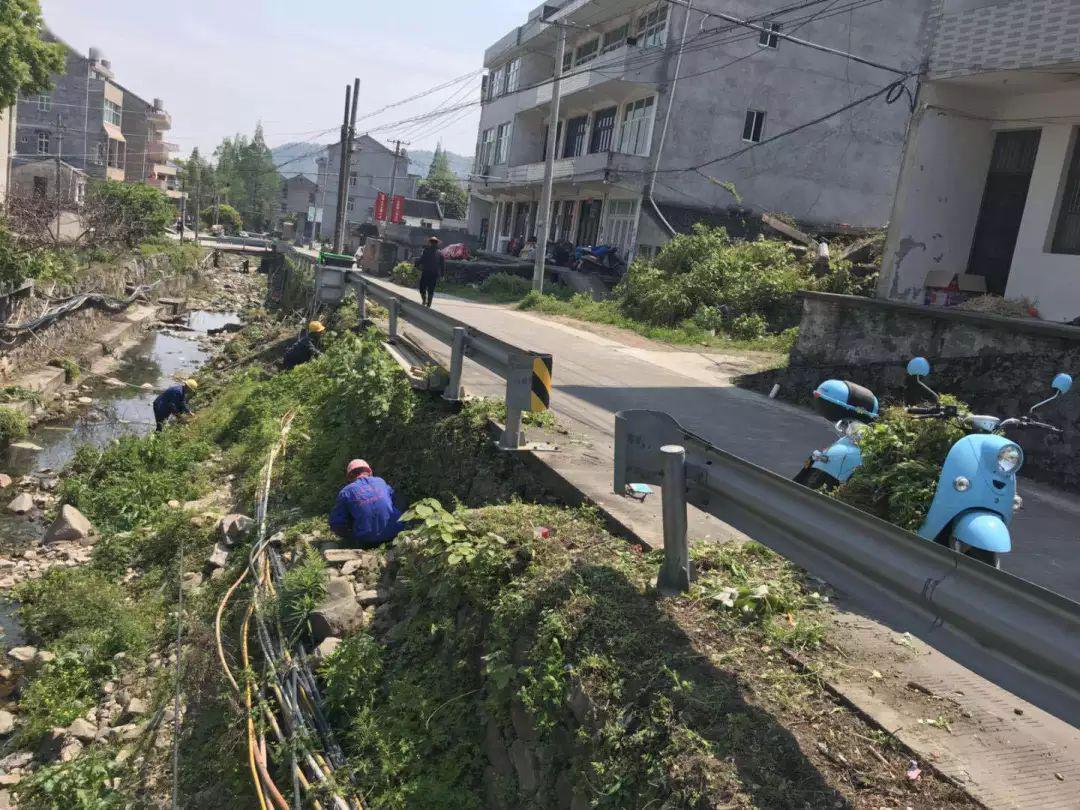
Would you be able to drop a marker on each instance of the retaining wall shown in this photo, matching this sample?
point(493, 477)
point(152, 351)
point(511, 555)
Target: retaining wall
point(1000, 366)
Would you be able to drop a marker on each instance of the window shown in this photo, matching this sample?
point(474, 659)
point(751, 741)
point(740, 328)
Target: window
point(352, 179)
point(487, 150)
point(44, 102)
point(568, 60)
point(755, 123)
point(513, 76)
point(350, 206)
point(116, 154)
point(603, 130)
point(575, 136)
point(495, 83)
point(652, 28)
point(114, 114)
point(311, 198)
point(544, 141)
point(587, 52)
point(100, 153)
point(635, 137)
point(502, 144)
point(566, 221)
point(616, 38)
point(43, 143)
point(768, 38)
point(1067, 232)
point(647, 252)
point(621, 216)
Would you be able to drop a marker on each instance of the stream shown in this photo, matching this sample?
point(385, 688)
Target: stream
point(159, 359)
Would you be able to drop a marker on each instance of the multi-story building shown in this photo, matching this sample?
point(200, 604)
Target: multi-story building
point(659, 104)
point(374, 168)
point(94, 124)
point(7, 149)
point(990, 184)
point(298, 200)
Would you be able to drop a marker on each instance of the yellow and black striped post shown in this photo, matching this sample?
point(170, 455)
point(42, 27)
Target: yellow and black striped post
point(541, 383)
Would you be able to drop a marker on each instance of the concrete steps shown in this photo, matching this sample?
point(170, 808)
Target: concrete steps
point(115, 335)
point(45, 381)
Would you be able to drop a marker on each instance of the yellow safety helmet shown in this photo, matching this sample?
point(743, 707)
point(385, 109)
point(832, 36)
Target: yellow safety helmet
point(192, 385)
point(316, 327)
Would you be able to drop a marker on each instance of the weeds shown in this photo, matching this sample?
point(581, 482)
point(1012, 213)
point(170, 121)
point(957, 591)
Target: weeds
point(301, 591)
point(83, 784)
point(13, 426)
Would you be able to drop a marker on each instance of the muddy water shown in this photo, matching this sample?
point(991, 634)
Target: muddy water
point(158, 359)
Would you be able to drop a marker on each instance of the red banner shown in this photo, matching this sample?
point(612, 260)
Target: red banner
point(380, 206)
point(397, 210)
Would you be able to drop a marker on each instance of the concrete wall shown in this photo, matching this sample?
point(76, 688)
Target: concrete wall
point(7, 148)
point(999, 366)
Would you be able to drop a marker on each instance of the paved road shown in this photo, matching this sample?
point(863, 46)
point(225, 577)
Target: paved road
point(597, 375)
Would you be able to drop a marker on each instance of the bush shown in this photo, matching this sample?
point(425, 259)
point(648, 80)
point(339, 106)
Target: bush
point(57, 696)
point(302, 589)
point(13, 426)
point(226, 216)
point(19, 262)
point(82, 784)
point(406, 274)
point(506, 285)
point(127, 212)
point(902, 460)
point(749, 327)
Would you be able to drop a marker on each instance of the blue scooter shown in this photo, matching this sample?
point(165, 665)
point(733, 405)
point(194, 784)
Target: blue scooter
point(976, 496)
point(851, 408)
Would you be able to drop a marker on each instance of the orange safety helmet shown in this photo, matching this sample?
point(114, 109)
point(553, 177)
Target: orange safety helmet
point(357, 469)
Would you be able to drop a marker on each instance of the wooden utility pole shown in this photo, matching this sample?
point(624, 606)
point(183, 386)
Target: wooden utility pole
point(348, 134)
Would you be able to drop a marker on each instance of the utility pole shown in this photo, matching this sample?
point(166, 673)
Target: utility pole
point(59, 160)
point(183, 206)
point(549, 167)
point(393, 171)
point(348, 133)
point(198, 201)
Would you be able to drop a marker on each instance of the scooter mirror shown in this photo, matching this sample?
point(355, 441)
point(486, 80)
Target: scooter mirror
point(1062, 383)
point(919, 367)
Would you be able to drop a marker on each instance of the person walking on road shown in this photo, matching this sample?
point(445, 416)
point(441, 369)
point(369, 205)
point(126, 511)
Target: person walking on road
point(365, 514)
point(173, 402)
point(432, 265)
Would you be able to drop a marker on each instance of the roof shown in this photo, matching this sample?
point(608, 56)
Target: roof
point(299, 180)
point(423, 209)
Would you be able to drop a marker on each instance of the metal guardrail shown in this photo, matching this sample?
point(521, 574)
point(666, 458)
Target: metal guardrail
point(527, 373)
point(1016, 634)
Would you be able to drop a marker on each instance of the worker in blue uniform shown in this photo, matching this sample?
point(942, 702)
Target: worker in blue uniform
point(173, 402)
point(365, 515)
point(306, 348)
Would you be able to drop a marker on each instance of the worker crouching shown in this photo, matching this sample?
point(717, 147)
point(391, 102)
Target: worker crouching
point(306, 348)
point(365, 515)
point(173, 402)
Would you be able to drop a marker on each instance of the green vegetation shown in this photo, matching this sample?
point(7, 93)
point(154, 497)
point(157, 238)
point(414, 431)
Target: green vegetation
point(82, 784)
point(245, 177)
point(302, 589)
point(70, 367)
point(444, 187)
point(225, 215)
point(902, 460)
point(28, 62)
point(406, 274)
point(128, 213)
point(20, 261)
point(13, 426)
point(183, 256)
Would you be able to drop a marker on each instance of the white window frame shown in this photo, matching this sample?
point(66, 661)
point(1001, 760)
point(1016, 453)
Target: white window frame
point(652, 28)
point(615, 38)
point(591, 50)
point(513, 75)
point(619, 222)
point(767, 39)
point(754, 126)
point(487, 149)
point(44, 102)
point(502, 143)
point(495, 82)
point(115, 110)
point(635, 130)
point(44, 143)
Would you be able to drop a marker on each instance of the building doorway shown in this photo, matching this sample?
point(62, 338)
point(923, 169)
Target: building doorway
point(1002, 211)
point(589, 222)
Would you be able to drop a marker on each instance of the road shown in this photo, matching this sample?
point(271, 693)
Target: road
point(600, 371)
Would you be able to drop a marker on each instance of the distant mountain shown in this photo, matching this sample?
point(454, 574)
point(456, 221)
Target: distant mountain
point(299, 158)
point(420, 162)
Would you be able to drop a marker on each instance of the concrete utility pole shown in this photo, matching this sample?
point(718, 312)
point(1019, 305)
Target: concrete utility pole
point(59, 160)
point(393, 171)
point(544, 229)
point(198, 202)
point(348, 133)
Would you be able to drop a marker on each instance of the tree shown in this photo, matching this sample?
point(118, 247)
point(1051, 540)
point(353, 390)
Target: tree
point(248, 179)
point(27, 62)
point(224, 215)
point(127, 212)
point(198, 178)
point(444, 187)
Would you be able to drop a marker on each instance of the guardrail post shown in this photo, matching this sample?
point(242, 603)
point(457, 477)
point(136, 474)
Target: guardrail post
point(675, 573)
point(512, 437)
point(361, 302)
point(457, 363)
point(395, 307)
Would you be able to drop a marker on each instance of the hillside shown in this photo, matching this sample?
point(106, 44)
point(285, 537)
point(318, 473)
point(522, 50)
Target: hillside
point(420, 161)
point(299, 158)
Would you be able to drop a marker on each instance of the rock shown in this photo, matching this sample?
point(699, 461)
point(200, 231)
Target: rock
point(339, 588)
point(327, 647)
point(367, 598)
point(85, 401)
point(5, 800)
point(340, 556)
point(124, 733)
point(21, 504)
point(82, 730)
point(70, 750)
point(147, 386)
point(70, 524)
point(44, 657)
point(51, 745)
point(339, 617)
point(219, 558)
point(524, 765)
point(136, 707)
point(173, 504)
point(495, 748)
point(192, 580)
point(5, 481)
point(7, 723)
point(352, 567)
point(24, 655)
point(580, 704)
point(20, 759)
point(10, 779)
point(236, 527)
point(523, 724)
point(564, 788)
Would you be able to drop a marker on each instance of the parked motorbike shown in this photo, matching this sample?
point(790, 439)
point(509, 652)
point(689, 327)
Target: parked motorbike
point(976, 495)
point(851, 408)
point(601, 259)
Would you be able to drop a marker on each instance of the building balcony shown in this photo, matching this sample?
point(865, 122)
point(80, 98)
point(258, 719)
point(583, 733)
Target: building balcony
point(168, 186)
point(610, 78)
point(159, 118)
point(161, 151)
point(599, 167)
point(160, 169)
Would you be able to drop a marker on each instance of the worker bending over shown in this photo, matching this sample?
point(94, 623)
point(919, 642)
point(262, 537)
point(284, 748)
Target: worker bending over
point(307, 347)
point(173, 402)
point(365, 515)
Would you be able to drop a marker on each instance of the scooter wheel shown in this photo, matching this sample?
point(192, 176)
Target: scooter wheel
point(991, 558)
point(815, 479)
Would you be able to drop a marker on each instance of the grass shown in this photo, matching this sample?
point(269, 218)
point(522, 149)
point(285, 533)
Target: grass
point(13, 426)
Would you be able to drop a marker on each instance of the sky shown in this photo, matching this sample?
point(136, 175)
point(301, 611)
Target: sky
point(223, 65)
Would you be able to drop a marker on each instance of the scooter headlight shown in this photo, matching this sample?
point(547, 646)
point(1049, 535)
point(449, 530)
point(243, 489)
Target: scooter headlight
point(1009, 459)
point(961, 484)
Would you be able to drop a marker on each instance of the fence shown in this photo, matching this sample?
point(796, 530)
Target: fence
point(1020, 636)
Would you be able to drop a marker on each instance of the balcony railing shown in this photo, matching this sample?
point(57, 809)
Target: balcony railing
point(582, 167)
